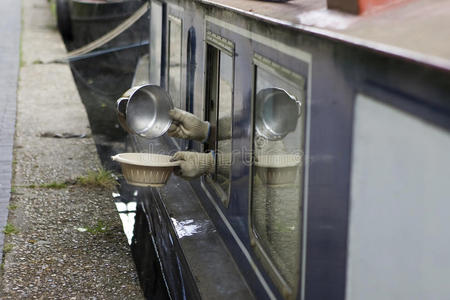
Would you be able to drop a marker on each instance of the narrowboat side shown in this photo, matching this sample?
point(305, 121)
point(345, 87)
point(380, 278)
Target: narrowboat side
point(370, 141)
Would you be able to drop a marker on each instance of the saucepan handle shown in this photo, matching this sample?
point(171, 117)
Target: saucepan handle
point(121, 108)
point(299, 106)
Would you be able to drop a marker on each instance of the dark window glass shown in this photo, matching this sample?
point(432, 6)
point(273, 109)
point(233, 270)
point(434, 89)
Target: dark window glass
point(219, 104)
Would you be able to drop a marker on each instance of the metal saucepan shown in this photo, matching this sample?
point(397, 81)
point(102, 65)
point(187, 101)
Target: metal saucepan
point(144, 110)
point(276, 113)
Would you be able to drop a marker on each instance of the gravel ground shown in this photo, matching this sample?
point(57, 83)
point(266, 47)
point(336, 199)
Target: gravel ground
point(47, 253)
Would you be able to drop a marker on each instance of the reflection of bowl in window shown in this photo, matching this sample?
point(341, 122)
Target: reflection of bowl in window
point(145, 169)
point(276, 170)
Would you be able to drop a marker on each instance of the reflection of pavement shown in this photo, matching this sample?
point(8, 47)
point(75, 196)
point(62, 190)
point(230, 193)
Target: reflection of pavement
point(9, 66)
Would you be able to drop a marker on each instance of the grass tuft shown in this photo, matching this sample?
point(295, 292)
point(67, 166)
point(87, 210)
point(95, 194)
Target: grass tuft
point(53, 8)
point(10, 229)
point(98, 178)
point(53, 185)
point(100, 227)
point(7, 248)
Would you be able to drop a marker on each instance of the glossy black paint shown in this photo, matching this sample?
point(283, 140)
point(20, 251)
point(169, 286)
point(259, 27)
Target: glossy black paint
point(145, 256)
point(114, 62)
point(90, 20)
point(179, 281)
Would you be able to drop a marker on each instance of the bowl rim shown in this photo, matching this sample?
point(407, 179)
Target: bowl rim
point(272, 165)
point(126, 159)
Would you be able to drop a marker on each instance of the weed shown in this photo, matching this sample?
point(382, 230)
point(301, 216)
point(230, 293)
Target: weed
point(53, 8)
point(10, 229)
point(12, 207)
point(7, 248)
point(53, 185)
point(21, 60)
point(99, 228)
point(13, 190)
point(98, 178)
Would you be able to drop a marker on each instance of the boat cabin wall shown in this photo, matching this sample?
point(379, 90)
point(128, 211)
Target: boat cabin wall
point(334, 80)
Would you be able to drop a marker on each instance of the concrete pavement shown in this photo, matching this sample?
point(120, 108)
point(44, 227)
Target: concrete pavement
point(65, 240)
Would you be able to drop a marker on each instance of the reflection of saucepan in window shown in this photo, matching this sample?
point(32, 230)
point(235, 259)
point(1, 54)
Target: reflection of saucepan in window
point(276, 112)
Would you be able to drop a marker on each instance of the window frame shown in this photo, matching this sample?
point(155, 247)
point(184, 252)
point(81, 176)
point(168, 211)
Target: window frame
point(170, 20)
point(157, 55)
point(174, 14)
point(258, 248)
point(220, 44)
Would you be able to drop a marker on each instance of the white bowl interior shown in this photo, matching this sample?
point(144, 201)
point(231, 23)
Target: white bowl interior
point(146, 169)
point(145, 159)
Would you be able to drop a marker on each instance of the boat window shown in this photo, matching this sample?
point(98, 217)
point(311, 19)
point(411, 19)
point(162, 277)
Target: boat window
point(219, 103)
point(174, 60)
point(277, 172)
point(156, 22)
